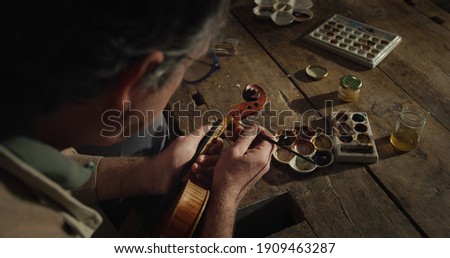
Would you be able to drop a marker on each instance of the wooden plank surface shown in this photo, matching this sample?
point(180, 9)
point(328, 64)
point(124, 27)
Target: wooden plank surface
point(415, 72)
point(419, 65)
point(436, 10)
point(302, 229)
point(339, 201)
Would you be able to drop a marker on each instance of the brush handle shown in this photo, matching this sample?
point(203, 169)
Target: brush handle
point(267, 138)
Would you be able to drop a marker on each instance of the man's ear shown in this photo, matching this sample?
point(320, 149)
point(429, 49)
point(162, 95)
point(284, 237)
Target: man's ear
point(130, 77)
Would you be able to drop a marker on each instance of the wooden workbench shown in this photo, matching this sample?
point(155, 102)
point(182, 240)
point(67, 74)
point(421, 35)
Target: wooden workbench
point(403, 194)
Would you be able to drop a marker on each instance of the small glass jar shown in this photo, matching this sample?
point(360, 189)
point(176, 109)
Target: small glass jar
point(408, 129)
point(349, 88)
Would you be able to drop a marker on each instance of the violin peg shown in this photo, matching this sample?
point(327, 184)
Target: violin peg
point(251, 93)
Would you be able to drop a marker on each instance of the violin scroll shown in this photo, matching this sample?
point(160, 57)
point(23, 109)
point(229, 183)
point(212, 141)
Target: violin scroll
point(255, 98)
point(251, 93)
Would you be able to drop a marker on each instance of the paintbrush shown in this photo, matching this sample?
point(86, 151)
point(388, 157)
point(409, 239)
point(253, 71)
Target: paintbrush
point(267, 138)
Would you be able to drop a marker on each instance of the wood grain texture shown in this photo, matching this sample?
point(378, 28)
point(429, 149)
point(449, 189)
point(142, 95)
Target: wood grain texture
point(186, 212)
point(299, 230)
point(339, 201)
point(416, 72)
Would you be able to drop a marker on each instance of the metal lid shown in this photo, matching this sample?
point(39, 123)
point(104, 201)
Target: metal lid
point(316, 72)
point(351, 82)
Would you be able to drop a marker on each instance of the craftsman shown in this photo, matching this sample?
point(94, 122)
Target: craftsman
point(64, 64)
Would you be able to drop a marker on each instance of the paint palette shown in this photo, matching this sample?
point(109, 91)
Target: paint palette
point(354, 40)
point(283, 12)
point(353, 138)
point(316, 147)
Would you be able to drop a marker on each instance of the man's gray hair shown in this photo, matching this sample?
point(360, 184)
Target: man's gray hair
point(59, 50)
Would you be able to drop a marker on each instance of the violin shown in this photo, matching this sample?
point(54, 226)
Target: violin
point(187, 200)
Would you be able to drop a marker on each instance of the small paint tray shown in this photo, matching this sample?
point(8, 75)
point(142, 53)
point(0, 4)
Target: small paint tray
point(317, 147)
point(353, 138)
point(283, 12)
point(354, 40)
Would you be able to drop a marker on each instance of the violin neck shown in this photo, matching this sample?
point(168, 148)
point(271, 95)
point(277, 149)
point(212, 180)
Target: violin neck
point(203, 146)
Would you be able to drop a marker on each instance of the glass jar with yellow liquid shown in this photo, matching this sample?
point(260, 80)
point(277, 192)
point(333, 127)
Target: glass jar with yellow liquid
point(408, 129)
point(349, 88)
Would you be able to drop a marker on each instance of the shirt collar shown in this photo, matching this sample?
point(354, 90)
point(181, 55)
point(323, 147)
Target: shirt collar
point(48, 160)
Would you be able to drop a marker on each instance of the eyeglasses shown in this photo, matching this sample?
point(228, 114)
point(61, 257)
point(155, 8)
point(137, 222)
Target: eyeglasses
point(202, 68)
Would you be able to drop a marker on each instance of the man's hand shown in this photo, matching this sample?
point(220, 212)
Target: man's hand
point(132, 176)
point(236, 172)
point(179, 152)
point(243, 164)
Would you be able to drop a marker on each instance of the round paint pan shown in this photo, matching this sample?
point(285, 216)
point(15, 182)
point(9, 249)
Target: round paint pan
point(302, 166)
point(323, 158)
point(304, 147)
point(283, 156)
point(322, 142)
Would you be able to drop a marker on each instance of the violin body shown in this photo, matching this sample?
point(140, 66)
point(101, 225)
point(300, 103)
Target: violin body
point(186, 212)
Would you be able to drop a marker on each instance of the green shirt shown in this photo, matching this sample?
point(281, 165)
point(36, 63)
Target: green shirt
point(40, 203)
